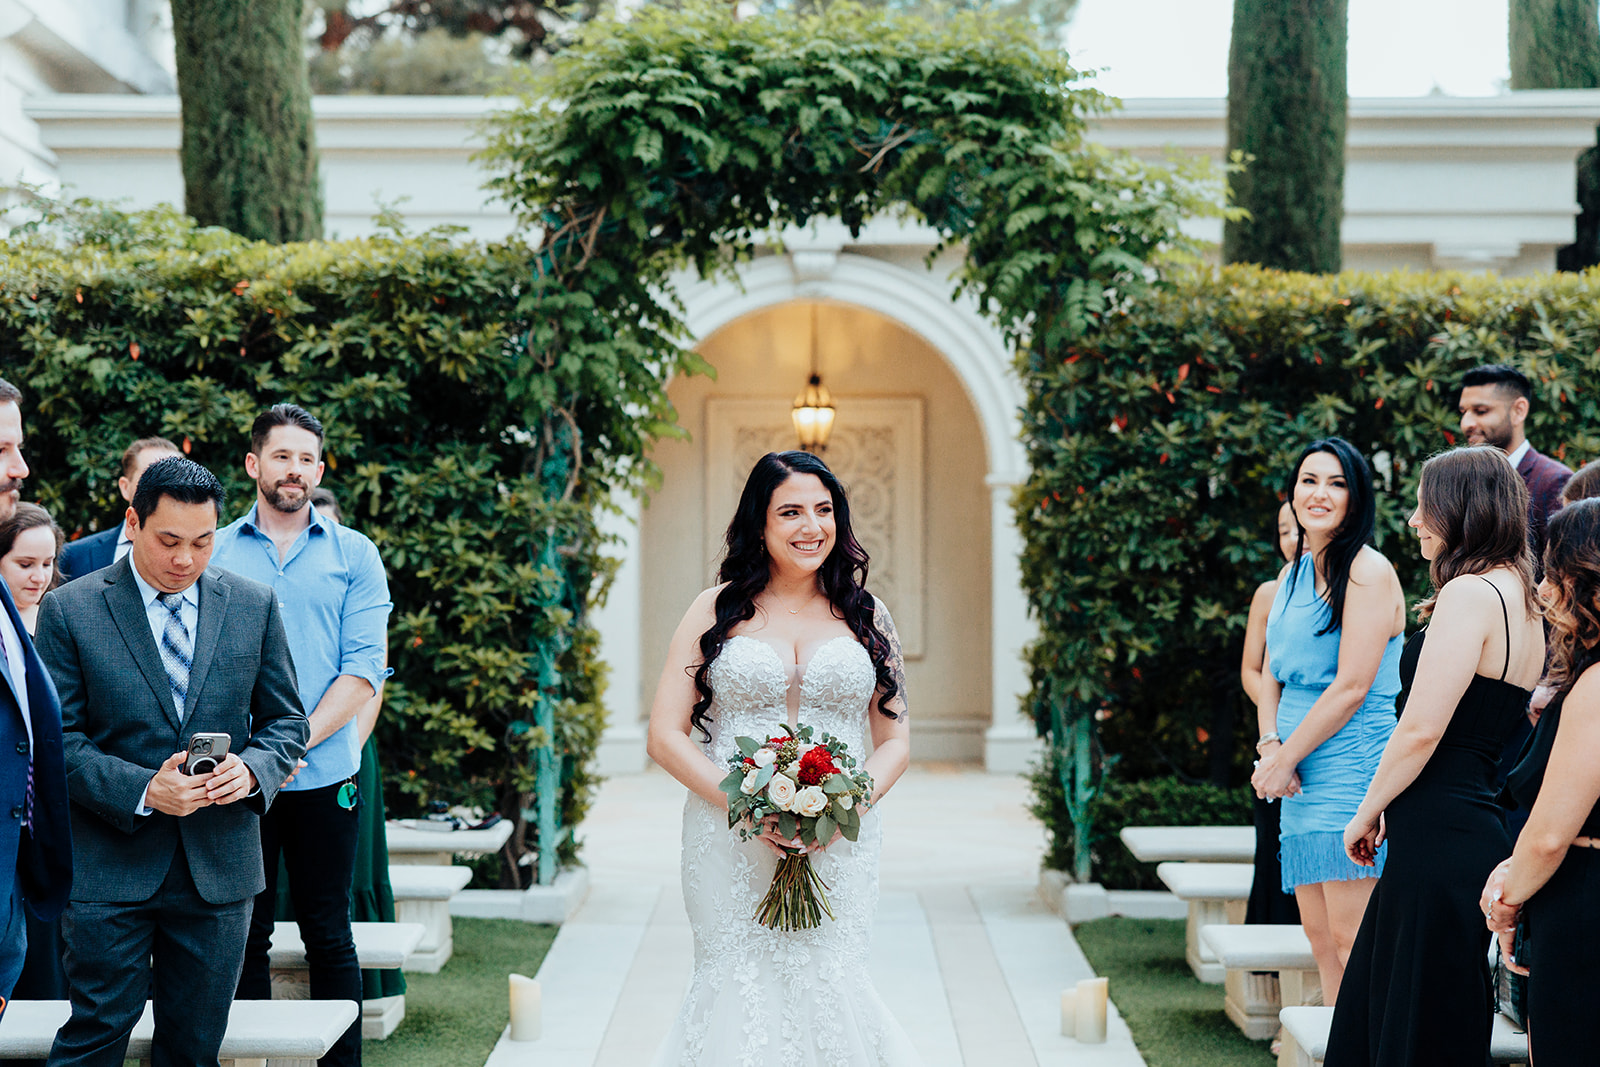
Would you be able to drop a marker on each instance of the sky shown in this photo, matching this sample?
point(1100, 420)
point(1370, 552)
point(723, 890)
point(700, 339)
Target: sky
point(1397, 47)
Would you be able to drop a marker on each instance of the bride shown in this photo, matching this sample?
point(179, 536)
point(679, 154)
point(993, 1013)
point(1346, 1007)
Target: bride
point(791, 635)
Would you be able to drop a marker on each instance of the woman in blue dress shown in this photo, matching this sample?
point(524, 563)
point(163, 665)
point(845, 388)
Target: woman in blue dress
point(1327, 696)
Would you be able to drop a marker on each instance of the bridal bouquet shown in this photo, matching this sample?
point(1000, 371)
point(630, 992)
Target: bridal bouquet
point(813, 789)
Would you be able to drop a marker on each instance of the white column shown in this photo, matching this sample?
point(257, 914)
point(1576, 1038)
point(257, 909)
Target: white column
point(622, 745)
point(1010, 744)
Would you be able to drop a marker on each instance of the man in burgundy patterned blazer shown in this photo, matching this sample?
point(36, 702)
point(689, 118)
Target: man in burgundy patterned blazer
point(1494, 406)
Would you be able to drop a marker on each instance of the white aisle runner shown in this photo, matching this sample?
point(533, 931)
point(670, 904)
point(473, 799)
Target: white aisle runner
point(964, 954)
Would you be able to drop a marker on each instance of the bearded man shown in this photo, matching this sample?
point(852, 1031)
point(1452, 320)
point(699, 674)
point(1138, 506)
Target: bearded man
point(335, 600)
point(1494, 403)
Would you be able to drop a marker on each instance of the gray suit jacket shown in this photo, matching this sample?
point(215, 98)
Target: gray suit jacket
point(119, 725)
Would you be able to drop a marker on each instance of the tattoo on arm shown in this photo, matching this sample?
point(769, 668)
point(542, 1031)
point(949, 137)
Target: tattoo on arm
point(896, 662)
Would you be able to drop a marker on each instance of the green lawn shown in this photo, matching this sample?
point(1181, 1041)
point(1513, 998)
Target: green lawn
point(456, 1016)
point(1176, 1020)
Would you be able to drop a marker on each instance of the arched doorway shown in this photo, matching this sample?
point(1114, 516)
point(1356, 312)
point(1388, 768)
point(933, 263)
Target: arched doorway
point(932, 445)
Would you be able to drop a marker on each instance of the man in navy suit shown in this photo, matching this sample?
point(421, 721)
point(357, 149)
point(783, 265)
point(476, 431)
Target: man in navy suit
point(36, 840)
point(91, 553)
point(1494, 405)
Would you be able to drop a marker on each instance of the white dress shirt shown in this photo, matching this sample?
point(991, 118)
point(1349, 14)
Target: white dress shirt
point(1516, 454)
point(156, 614)
point(17, 668)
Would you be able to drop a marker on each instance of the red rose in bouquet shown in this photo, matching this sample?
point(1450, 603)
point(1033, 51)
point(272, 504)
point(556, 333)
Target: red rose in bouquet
point(816, 767)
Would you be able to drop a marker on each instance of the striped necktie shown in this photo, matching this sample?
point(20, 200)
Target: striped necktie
point(177, 651)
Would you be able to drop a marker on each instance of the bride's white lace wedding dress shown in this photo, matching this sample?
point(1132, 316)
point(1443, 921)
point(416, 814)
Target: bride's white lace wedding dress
point(760, 997)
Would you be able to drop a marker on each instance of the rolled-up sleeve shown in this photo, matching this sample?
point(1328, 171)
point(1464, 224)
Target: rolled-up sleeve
point(364, 622)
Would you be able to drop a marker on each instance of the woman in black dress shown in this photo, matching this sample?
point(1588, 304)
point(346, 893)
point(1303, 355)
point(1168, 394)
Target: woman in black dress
point(1551, 883)
point(1416, 990)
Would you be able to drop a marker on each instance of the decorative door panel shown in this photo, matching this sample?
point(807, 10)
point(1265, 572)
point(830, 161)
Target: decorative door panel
point(875, 450)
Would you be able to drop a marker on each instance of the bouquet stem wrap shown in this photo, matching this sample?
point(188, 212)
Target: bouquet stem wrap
point(797, 898)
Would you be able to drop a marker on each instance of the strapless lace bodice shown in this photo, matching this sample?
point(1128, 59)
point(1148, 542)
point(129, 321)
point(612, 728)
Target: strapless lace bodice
point(767, 998)
point(750, 693)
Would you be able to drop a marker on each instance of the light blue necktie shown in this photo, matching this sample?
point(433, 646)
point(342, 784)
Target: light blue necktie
point(177, 651)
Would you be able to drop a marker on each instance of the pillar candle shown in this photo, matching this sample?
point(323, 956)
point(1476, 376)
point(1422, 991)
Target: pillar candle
point(1091, 1004)
point(526, 1010)
point(1069, 1012)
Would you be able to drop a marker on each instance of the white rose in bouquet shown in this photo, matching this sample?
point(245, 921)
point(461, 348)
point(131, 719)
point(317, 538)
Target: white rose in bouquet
point(810, 801)
point(764, 757)
point(846, 801)
point(782, 789)
point(804, 747)
point(748, 787)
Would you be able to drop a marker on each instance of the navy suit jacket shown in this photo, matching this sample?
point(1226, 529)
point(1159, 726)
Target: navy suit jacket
point(40, 858)
point(1546, 479)
point(89, 554)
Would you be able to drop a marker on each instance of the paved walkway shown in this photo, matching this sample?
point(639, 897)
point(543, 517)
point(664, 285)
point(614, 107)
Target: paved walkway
point(964, 953)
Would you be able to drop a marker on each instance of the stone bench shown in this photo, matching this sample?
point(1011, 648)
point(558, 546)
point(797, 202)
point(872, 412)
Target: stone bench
point(1305, 1038)
point(422, 895)
point(261, 1033)
point(1268, 968)
point(379, 947)
point(1216, 894)
point(1191, 844)
point(408, 845)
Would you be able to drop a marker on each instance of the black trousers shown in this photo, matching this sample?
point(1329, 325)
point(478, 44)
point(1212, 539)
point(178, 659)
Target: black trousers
point(196, 948)
point(317, 840)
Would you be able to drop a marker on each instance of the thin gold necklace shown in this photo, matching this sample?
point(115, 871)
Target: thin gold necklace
point(805, 604)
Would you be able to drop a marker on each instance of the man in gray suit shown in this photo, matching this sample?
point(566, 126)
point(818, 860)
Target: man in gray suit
point(145, 654)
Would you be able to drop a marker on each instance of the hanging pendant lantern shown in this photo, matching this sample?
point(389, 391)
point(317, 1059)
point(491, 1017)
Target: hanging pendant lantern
point(813, 415)
point(813, 412)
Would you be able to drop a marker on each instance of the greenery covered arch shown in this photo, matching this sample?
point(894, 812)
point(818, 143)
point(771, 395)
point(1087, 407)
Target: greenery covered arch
point(689, 137)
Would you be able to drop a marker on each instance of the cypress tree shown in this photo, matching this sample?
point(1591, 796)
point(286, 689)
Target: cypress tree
point(1555, 44)
point(1287, 100)
point(249, 153)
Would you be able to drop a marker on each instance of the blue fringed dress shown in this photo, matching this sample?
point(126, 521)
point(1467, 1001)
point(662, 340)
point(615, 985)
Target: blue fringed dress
point(1335, 776)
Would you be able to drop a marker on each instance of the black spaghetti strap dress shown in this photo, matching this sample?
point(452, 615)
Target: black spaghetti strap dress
point(1562, 936)
point(1417, 990)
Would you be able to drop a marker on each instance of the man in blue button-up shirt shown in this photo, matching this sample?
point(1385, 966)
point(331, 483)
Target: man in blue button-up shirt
point(335, 601)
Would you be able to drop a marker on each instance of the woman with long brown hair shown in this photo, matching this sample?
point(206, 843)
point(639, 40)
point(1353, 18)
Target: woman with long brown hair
point(1417, 987)
point(1552, 881)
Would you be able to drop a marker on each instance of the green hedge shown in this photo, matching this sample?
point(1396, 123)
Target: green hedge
point(1153, 802)
point(1159, 447)
point(447, 443)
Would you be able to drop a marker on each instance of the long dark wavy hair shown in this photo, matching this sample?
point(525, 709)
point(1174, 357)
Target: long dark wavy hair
point(1360, 519)
point(1572, 566)
point(1476, 503)
point(842, 578)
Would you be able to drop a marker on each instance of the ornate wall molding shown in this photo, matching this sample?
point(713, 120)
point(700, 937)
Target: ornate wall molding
point(876, 450)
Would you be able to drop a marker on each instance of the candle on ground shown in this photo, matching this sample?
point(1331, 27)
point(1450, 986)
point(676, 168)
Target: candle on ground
point(526, 1010)
point(1069, 1012)
point(1091, 998)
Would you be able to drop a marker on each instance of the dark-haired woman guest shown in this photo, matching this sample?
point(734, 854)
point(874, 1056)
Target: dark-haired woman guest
point(791, 635)
point(30, 544)
point(1417, 988)
point(1584, 483)
point(1552, 880)
point(1327, 698)
point(1268, 902)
